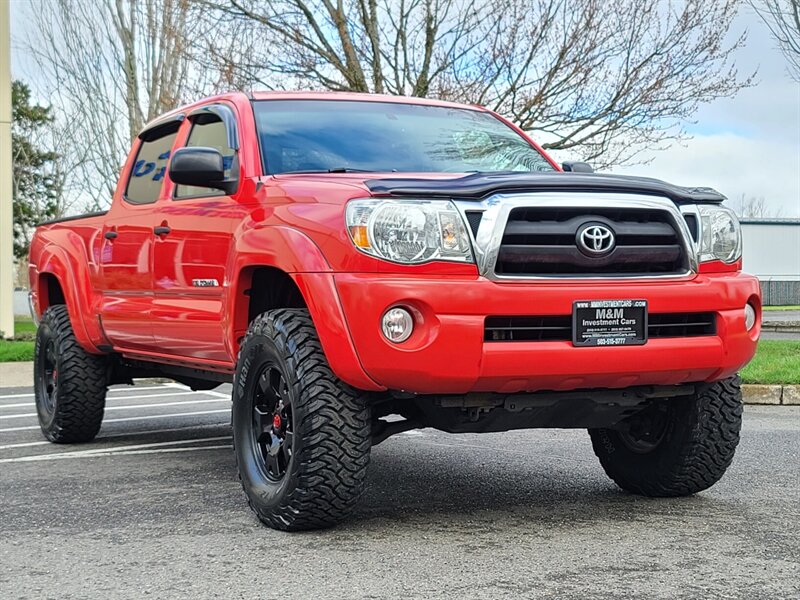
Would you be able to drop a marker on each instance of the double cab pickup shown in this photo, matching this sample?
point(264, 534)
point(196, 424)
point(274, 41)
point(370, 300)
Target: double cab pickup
point(360, 265)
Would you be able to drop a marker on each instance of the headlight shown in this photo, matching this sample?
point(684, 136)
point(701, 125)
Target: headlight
point(720, 234)
point(409, 231)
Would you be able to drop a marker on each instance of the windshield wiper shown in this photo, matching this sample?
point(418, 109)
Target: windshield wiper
point(349, 170)
point(332, 170)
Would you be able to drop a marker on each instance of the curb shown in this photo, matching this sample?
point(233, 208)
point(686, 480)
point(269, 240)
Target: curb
point(781, 326)
point(786, 395)
point(20, 374)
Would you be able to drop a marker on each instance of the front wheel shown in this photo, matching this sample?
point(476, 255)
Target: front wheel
point(302, 438)
point(675, 447)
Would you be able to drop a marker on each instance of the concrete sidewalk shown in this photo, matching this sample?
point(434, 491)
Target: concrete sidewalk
point(20, 374)
point(16, 374)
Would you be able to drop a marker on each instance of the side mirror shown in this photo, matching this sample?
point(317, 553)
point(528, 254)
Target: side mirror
point(577, 167)
point(200, 167)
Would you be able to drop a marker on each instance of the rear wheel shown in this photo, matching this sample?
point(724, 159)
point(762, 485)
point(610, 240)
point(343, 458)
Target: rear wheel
point(301, 437)
point(69, 383)
point(676, 447)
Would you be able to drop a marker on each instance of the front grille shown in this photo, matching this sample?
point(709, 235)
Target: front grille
point(474, 219)
point(670, 325)
point(693, 225)
point(542, 242)
point(550, 328)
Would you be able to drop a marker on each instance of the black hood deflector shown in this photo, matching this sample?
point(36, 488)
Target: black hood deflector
point(479, 185)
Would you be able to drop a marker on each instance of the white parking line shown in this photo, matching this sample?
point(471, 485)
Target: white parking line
point(24, 445)
point(108, 451)
point(29, 404)
point(166, 450)
point(144, 418)
point(132, 406)
point(129, 389)
point(114, 436)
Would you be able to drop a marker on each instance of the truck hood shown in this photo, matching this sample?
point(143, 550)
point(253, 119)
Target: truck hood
point(477, 186)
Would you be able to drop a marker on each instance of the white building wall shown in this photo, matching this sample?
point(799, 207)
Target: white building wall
point(772, 249)
point(772, 253)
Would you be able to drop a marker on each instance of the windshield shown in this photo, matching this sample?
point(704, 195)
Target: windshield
point(340, 136)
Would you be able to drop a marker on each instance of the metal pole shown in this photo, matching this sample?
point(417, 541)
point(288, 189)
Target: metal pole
point(6, 202)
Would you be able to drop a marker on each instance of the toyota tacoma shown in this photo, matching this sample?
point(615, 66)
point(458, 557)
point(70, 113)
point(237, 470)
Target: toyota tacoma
point(358, 266)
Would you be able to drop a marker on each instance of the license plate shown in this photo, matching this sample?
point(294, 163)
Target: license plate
point(609, 322)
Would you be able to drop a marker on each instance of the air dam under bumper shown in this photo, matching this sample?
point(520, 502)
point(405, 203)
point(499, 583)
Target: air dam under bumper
point(447, 353)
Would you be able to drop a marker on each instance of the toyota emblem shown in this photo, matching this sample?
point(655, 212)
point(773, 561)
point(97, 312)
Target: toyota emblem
point(595, 239)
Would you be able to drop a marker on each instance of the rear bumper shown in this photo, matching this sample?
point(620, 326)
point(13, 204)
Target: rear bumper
point(447, 353)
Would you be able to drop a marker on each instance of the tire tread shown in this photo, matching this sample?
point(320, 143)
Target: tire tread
point(82, 384)
point(714, 420)
point(336, 425)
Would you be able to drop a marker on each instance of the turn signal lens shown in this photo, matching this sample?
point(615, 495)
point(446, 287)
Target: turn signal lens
point(359, 235)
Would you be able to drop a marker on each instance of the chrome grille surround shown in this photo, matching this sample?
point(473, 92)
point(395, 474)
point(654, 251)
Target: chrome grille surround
point(497, 208)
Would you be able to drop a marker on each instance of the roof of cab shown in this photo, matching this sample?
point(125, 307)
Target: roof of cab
point(353, 96)
point(302, 95)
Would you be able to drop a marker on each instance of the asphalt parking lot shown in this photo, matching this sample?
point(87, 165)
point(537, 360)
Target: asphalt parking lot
point(153, 508)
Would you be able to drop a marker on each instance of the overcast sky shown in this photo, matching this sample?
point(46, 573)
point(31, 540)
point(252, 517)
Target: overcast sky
point(746, 145)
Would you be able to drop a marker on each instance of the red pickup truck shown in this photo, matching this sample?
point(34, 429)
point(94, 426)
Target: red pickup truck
point(363, 265)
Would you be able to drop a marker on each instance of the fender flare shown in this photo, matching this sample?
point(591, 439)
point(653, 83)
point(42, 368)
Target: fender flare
point(73, 277)
point(278, 246)
point(297, 255)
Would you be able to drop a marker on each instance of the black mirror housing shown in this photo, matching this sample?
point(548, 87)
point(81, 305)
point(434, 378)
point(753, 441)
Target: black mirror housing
point(577, 167)
point(199, 166)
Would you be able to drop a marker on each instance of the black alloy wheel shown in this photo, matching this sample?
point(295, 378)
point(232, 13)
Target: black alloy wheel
point(48, 377)
point(647, 429)
point(272, 421)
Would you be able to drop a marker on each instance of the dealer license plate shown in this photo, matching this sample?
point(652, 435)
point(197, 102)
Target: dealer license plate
point(609, 322)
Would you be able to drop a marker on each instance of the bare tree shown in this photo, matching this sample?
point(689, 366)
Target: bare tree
point(601, 78)
point(783, 19)
point(111, 66)
point(752, 207)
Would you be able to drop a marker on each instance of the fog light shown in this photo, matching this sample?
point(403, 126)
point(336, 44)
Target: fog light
point(749, 316)
point(397, 324)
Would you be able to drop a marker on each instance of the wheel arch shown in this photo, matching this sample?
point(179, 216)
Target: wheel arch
point(61, 280)
point(258, 288)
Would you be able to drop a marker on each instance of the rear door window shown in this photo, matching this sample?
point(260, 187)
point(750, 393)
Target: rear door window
point(150, 168)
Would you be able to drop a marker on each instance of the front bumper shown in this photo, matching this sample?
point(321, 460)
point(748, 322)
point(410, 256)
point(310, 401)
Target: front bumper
point(447, 353)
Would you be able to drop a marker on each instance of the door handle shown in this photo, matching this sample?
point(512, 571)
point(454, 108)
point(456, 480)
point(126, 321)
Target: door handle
point(110, 235)
point(161, 230)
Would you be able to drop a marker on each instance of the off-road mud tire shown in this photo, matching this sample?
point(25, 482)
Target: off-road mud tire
point(697, 446)
point(331, 438)
point(70, 405)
